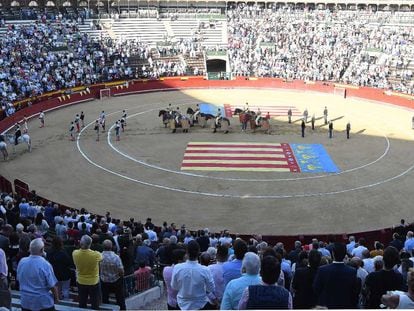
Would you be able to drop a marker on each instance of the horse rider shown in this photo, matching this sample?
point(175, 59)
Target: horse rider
point(17, 133)
point(25, 126)
point(177, 115)
point(217, 120)
point(246, 107)
point(196, 113)
point(258, 116)
point(169, 109)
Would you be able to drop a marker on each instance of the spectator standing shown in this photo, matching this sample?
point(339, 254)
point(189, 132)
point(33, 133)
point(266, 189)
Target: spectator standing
point(267, 295)
point(378, 251)
point(87, 273)
point(336, 285)
point(61, 263)
point(143, 277)
point(294, 254)
point(351, 245)
point(357, 251)
point(379, 282)
point(203, 240)
point(145, 253)
point(217, 272)
point(41, 225)
point(177, 257)
point(111, 274)
point(192, 281)
point(396, 242)
point(37, 280)
point(5, 295)
point(409, 242)
point(304, 296)
point(24, 209)
point(232, 269)
point(234, 289)
point(401, 301)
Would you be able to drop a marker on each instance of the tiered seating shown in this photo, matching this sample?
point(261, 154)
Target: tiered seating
point(184, 29)
point(210, 34)
point(215, 34)
point(196, 62)
point(146, 30)
point(92, 31)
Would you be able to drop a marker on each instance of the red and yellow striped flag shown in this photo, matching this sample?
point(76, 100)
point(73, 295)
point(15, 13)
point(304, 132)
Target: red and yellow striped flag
point(234, 156)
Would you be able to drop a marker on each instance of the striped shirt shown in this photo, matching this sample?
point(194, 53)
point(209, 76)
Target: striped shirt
point(110, 266)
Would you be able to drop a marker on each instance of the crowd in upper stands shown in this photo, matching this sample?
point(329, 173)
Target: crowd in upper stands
point(319, 45)
point(345, 46)
point(39, 58)
point(50, 253)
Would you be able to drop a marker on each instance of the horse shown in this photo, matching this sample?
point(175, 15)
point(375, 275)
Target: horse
point(223, 124)
point(238, 111)
point(264, 123)
point(166, 116)
point(203, 119)
point(3, 149)
point(183, 123)
point(25, 138)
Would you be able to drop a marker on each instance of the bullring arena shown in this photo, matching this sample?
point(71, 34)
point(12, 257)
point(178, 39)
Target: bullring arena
point(141, 175)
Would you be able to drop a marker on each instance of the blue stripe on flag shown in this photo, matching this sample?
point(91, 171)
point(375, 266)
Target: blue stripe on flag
point(211, 109)
point(313, 158)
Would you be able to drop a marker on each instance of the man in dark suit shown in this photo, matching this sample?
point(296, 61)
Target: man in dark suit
point(336, 285)
point(303, 126)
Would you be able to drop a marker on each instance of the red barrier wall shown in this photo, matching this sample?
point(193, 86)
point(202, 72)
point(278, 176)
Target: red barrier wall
point(169, 84)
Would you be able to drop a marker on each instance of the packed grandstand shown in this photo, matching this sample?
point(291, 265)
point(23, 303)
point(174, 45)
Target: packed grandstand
point(55, 257)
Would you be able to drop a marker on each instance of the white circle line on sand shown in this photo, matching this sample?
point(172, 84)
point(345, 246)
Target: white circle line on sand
point(387, 148)
point(223, 195)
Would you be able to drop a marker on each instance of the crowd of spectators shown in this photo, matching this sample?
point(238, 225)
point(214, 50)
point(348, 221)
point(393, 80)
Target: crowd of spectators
point(46, 252)
point(39, 58)
point(346, 46)
point(319, 45)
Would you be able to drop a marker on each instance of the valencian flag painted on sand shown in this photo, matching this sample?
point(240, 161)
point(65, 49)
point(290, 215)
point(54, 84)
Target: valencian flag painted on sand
point(263, 157)
point(233, 156)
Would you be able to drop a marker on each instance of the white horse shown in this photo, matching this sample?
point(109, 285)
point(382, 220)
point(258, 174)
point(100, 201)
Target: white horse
point(3, 150)
point(25, 138)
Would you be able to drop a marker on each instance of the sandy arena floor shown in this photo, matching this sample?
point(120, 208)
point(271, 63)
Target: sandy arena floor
point(140, 176)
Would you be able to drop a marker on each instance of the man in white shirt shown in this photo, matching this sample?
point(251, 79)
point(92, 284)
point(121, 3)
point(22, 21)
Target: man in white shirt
point(351, 245)
point(357, 251)
point(192, 281)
